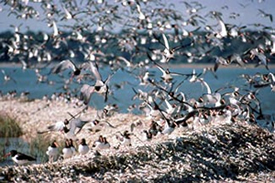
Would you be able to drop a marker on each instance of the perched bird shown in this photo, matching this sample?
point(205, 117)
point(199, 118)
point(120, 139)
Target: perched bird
point(124, 138)
point(169, 127)
point(148, 135)
point(101, 143)
point(72, 146)
point(52, 151)
point(20, 158)
point(67, 150)
point(83, 148)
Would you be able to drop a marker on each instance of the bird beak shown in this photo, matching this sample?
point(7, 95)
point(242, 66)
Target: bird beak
point(56, 144)
point(6, 155)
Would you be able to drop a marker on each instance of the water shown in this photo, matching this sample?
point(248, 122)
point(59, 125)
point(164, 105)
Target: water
point(26, 81)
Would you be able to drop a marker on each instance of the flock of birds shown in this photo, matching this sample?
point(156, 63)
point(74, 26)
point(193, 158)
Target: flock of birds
point(153, 34)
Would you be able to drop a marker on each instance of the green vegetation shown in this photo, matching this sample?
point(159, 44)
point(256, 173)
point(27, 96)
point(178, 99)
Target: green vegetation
point(9, 127)
point(38, 147)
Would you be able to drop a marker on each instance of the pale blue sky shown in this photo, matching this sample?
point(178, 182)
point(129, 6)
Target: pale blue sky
point(248, 15)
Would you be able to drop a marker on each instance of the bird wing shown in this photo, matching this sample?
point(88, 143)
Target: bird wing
point(58, 126)
point(21, 156)
point(86, 92)
point(166, 44)
point(55, 29)
point(4, 73)
point(106, 123)
point(65, 64)
point(80, 123)
point(94, 69)
point(223, 27)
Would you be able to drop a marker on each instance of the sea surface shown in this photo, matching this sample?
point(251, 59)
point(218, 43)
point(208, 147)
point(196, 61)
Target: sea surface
point(26, 81)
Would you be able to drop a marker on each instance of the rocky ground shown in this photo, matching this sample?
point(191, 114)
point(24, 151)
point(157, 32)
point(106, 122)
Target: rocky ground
point(215, 152)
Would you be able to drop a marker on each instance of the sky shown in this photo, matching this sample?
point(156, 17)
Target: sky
point(248, 15)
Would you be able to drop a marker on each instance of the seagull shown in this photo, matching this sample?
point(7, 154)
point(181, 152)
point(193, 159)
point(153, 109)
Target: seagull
point(66, 64)
point(20, 158)
point(264, 14)
point(209, 97)
point(168, 52)
point(124, 138)
point(167, 75)
point(101, 143)
point(77, 123)
point(261, 56)
point(83, 148)
point(169, 127)
point(74, 124)
point(100, 87)
point(52, 151)
point(67, 150)
point(223, 31)
point(7, 77)
point(148, 135)
point(58, 126)
point(144, 79)
point(72, 146)
point(155, 128)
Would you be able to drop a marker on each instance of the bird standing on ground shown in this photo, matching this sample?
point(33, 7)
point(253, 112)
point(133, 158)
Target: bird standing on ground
point(101, 143)
point(52, 151)
point(67, 151)
point(20, 158)
point(83, 148)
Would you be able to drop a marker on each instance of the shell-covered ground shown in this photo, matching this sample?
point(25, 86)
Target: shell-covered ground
point(215, 152)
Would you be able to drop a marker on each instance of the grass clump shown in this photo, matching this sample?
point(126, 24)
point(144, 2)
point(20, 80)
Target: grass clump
point(38, 146)
point(9, 127)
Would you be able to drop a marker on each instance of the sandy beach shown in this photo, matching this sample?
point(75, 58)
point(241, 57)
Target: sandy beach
point(183, 153)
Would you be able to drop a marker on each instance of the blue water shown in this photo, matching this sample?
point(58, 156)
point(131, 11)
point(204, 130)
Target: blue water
point(26, 81)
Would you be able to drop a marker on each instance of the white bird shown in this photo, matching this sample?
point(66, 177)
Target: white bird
point(144, 79)
point(58, 126)
point(83, 148)
point(168, 53)
point(74, 124)
point(100, 86)
point(66, 64)
point(7, 77)
point(167, 75)
point(101, 143)
point(52, 151)
point(169, 127)
point(67, 151)
point(124, 138)
point(72, 146)
point(209, 97)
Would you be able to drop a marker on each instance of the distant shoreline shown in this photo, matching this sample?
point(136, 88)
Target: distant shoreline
point(173, 65)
